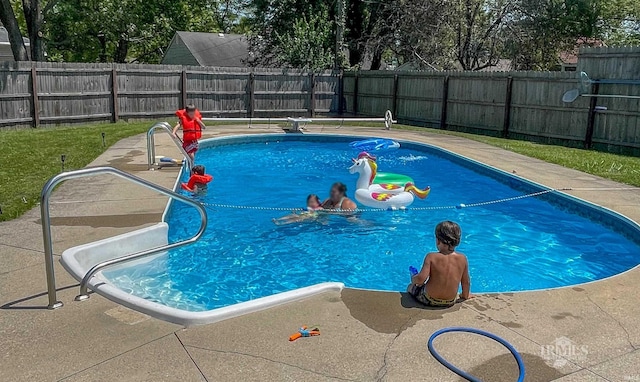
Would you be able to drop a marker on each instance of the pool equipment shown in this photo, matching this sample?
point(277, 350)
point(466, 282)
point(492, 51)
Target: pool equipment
point(381, 195)
point(167, 160)
point(374, 144)
point(585, 86)
point(304, 331)
point(296, 121)
point(462, 373)
point(387, 177)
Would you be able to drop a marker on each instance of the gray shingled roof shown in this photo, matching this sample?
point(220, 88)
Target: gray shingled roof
point(216, 49)
point(4, 36)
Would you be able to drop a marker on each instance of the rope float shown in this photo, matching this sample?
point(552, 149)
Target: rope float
point(432, 208)
point(492, 336)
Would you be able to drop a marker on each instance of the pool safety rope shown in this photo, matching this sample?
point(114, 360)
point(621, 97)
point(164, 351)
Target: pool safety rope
point(462, 373)
point(432, 208)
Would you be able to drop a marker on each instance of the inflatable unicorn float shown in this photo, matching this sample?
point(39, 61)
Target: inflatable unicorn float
point(383, 190)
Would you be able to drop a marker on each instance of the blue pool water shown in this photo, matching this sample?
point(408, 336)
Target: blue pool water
point(514, 246)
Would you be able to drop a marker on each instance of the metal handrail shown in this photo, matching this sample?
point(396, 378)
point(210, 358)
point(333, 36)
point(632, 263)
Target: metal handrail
point(151, 144)
point(46, 226)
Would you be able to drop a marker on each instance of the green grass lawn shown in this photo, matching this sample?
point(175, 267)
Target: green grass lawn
point(621, 168)
point(31, 157)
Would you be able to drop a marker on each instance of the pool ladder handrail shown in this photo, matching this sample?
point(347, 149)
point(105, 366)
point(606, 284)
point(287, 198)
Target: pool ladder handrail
point(46, 227)
point(151, 145)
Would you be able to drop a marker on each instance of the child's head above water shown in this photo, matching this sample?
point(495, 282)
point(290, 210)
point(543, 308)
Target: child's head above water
point(448, 234)
point(313, 201)
point(198, 169)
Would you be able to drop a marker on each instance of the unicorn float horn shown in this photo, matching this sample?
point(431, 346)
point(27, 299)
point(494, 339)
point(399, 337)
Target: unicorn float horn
point(410, 187)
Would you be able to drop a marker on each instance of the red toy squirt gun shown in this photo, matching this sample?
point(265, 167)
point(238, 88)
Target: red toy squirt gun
point(305, 332)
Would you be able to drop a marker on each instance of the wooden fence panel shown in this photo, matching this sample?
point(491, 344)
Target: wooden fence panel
point(619, 124)
point(282, 94)
point(476, 102)
point(143, 93)
point(219, 93)
point(419, 99)
point(375, 93)
point(15, 97)
point(537, 109)
point(349, 86)
point(65, 96)
point(326, 93)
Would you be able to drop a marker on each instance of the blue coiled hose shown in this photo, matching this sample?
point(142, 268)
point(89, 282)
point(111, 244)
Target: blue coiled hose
point(462, 373)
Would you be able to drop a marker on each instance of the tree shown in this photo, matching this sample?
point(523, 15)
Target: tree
point(35, 21)
point(308, 46)
point(480, 32)
point(8, 18)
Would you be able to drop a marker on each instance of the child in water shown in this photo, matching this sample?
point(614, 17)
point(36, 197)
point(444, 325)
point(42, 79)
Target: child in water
point(313, 205)
point(198, 180)
point(437, 282)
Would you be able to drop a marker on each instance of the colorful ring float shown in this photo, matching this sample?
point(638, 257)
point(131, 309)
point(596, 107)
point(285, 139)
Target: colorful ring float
point(382, 195)
point(374, 144)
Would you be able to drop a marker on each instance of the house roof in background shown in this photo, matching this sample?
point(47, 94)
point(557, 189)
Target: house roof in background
point(216, 49)
point(4, 36)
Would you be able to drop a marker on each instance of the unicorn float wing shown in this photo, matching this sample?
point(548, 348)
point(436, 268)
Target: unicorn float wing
point(387, 196)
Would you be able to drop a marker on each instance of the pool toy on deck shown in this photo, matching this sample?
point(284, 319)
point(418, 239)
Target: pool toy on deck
point(374, 144)
point(195, 180)
point(382, 195)
point(387, 177)
point(162, 160)
point(304, 332)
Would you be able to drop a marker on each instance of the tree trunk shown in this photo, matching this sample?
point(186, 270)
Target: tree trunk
point(120, 55)
point(9, 21)
point(33, 16)
point(376, 60)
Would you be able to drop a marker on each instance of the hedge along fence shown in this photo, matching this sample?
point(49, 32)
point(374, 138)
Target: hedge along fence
point(37, 94)
point(522, 105)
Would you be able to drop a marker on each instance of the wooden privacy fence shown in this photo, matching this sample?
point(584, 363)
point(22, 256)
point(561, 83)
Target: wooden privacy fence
point(521, 105)
point(49, 93)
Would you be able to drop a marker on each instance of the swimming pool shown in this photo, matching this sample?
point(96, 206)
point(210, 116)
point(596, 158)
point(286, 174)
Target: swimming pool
point(533, 243)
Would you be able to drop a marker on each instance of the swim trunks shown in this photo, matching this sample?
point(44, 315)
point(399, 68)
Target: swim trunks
point(419, 292)
point(190, 146)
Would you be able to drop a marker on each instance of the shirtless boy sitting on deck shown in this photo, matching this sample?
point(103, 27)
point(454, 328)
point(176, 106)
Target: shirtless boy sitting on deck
point(437, 282)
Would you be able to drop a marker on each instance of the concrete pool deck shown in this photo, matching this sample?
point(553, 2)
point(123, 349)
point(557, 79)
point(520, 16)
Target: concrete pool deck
point(588, 332)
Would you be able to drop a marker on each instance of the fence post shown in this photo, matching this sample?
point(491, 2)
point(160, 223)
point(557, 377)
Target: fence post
point(183, 89)
point(35, 104)
point(355, 94)
point(394, 99)
point(445, 97)
point(341, 105)
point(507, 108)
point(115, 111)
point(251, 95)
point(591, 121)
point(312, 95)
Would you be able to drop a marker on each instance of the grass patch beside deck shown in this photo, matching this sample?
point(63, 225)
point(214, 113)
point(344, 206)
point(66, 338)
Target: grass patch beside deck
point(31, 157)
point(620, 168)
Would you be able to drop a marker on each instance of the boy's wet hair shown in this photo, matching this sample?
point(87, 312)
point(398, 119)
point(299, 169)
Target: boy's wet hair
point(448, 232)
point(190, 107)
point(198, 169)
point(313, 197)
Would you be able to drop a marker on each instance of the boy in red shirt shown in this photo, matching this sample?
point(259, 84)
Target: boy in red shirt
point(190, 120)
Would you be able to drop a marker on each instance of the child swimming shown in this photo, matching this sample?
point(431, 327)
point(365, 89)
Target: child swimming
point(313, 205)
point(436, 284)
point(198, 180)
